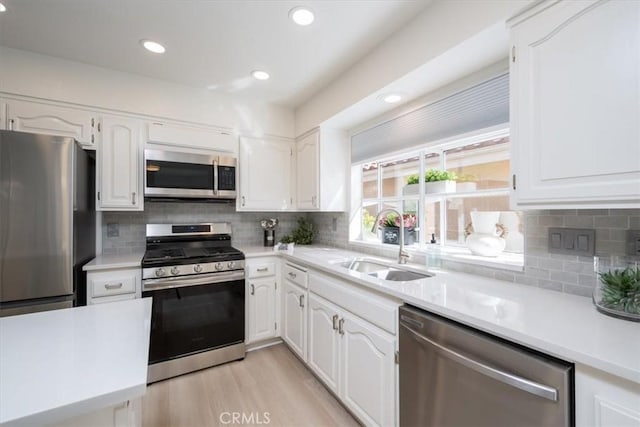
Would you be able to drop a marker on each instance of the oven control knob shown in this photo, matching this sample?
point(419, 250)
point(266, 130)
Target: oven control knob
point(160, 272)
point(175, 271)
point(231, 265)
point(197, 268)
point(219, 266)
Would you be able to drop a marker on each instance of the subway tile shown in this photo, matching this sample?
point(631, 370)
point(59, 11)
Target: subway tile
point(624, 212)
point(539, 273)
point(593, 212)
point(563, 212)
point(550, 221)
point(526, 280)
point(578, 221)
point(551, 285)
point(612, 221)
point(503, 275)
point(563, 276)
point(577, 290)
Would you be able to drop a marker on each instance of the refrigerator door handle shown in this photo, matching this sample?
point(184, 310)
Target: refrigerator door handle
point(513, 380)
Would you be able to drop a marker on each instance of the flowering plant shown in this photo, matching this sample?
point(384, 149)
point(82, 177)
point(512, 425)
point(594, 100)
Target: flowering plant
point(393, 220)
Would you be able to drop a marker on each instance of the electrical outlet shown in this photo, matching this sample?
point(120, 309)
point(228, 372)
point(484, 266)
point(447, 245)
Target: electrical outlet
point(572, 241)
point(113, 229)
point(633, 242)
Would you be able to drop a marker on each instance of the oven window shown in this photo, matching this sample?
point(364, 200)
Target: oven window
point(192, 319)
point(226, 178)
point(162, 174)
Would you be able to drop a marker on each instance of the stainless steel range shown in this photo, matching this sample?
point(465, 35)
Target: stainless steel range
point(196, 280)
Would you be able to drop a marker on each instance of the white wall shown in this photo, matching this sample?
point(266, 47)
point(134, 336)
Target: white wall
point(440, 27)
point(36, 75)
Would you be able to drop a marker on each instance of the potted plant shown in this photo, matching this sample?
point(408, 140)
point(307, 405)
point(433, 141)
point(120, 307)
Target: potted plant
point(436, 181)
point(618, 293)
point(303, 235)
point(390, 227)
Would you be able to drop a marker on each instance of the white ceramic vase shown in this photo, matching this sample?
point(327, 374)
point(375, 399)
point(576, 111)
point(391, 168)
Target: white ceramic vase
point(515, 239)
point(487, 238)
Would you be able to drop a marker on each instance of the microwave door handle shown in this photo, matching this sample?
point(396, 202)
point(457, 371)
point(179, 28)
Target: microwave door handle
point(215, 177)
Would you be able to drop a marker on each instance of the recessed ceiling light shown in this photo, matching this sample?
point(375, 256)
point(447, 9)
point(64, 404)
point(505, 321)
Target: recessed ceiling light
point(3, 8)
point(260, 75)
point(301, 15)
point(392, 98)
point(152, 46)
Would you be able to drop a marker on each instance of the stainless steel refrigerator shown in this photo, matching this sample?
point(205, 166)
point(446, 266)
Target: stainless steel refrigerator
point(47, 222)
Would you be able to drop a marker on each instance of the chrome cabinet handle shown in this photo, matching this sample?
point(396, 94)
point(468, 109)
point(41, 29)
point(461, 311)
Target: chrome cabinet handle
point(341, 327)
point(133, 198)
point(253, 290)
point(113, 286)
point(262, 270)
point(11, 122)
point(516, 381)
point(242, 201)
point(301, 300)
point(291, 274)
point(335, 321)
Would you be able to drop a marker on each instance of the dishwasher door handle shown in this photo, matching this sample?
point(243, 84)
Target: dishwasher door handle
point(523, 384)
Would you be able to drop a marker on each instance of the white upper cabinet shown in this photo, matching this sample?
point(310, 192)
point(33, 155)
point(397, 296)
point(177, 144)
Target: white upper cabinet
point(321, 170)
point(191, 137)
point(575, 105)
point(35, 117)
point(266, 168)
point(119, 164)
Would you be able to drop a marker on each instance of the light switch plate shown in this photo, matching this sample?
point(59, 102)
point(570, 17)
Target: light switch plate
point(113, 229)
point(633, 242)
point(572, 241)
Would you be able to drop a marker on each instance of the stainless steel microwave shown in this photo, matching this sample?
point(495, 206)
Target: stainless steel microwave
point(170, 174)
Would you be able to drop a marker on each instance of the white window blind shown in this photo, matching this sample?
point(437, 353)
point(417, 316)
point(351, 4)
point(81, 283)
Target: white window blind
point(478, 107)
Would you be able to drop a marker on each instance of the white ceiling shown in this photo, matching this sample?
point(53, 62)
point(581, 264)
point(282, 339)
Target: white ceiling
point(215, 43)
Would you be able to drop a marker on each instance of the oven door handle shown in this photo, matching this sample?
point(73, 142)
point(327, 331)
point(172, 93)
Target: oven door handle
point(203, 279)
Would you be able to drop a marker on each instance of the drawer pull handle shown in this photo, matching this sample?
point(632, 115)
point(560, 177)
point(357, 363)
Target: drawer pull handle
point(253, 290)
point(291, 274)
point(262, 269)
point(113, 285)
point(302, 301)
point(335, 322)
point(341, 327)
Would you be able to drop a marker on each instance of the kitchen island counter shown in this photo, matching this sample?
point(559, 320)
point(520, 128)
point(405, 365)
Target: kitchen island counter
point(562, 325)
point(60, 364)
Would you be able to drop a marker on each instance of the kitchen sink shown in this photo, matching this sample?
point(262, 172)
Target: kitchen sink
point(395, 275)
point(382, 271)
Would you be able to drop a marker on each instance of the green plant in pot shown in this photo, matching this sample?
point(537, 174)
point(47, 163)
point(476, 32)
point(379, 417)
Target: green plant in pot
point(619, 292)
point(390, 227)
point(434, 175)
point(303, 235)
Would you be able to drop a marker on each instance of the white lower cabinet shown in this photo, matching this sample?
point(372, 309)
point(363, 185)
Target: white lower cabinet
point(603, 400)
point(113, 285)
point(354, 358)
point(294, 318)
point(262, 309)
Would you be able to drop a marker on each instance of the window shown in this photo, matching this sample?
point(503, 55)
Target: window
point(479, 166)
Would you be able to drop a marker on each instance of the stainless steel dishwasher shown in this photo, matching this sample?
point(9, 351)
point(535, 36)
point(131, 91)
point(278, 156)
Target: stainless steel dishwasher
point(453, 375)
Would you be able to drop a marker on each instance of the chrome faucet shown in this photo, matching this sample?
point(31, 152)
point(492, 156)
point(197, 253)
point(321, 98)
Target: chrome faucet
point(402, 255)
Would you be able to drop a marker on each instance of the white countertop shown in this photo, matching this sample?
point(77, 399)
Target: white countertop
point(562, 325)
point(59, 364)
point(110, 262)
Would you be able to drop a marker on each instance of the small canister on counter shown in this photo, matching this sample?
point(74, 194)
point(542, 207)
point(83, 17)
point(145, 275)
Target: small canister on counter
point(269, 226)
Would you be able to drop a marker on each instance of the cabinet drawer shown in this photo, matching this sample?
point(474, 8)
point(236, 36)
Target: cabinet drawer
point(295, 274)
point(112, 283)
point(261, 269)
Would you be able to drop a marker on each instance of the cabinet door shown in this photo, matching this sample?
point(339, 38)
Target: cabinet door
point(262, 309)
point(48, 119)
point(294, 328)
point(368, 372)
point(575, 106)
point(120, 167)
point(265, 174)
point(192, 137)
point(307, 172)
point(324, 341)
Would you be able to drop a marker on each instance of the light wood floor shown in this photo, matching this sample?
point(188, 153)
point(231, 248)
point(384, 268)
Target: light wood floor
point(270, 380)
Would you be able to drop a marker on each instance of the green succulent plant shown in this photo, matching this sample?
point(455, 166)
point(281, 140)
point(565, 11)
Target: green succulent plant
point(432, 175)
point(303, 235)
point(621, 289)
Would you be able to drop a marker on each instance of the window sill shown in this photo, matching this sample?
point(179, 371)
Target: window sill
point(505, 261)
